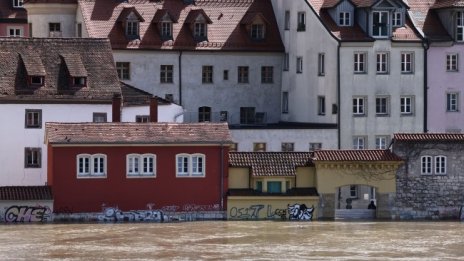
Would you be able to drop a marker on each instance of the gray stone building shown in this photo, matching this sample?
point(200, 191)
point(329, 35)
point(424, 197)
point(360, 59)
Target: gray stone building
point(430, 184)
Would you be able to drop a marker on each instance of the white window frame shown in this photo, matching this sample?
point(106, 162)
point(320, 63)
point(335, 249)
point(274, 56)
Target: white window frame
point(440, 165)
point(381, 34)
point(426, 165)
point(360, 62)
point(407, 62)
point(382, 108)
point(382, 63)
point(381, 142)
point(452, 62)
point(200, 30)
point(133, 28)
point(18, 3)
point(359, 106)
point(315, 146)
point(193, 168)
point(460, 26)
point(94, 159)
point(135, 165)
point(407, 105)
point(258, 31)
point(17, 31)
point(344, 19)
point(397, 19)
point(166, 73)
point(359, 142)
point(452, 102)
point(166, 30)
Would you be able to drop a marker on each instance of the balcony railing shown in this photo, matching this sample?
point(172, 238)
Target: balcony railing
point(253, 119)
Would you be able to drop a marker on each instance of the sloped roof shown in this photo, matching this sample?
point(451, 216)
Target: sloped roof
point(95, 55)
point(447, 4)
point(428, 21)
point(428, 137)
point(26, 193)
point(270, 163)
point(136, 133)
point(74, 64)
point(224, 32)
point(7, 11)
point(33, 64)
point(134, 96)
point(355, 155)
point(160, 13)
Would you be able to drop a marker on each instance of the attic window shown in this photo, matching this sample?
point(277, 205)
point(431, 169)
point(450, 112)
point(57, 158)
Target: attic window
point(166, 30)
point(459, 26)
point(132, 28)
point(344, 19)
point(36, 80)
point(200, 30)
point(18, 3)
point(397, 19)
point(79, 81)
point(257, 31)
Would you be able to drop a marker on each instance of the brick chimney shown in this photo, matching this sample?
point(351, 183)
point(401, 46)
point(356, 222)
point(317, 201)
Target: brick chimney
point(116, 111)
point(154, 109)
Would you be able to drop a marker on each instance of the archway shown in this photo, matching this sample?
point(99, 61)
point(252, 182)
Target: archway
point(356, 201)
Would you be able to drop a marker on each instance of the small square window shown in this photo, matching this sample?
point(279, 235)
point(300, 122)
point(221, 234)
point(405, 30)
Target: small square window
point(33, 119)
point(223, 116)
point(288, 146)
point(54, 29)
point(313, 146)
point(233, 147)
point(18, 3)
point(123, 69)
point(142, 118)
point(259, 147)
point(79, 81)
point(36, 81)
point(99, 117)
point(32, 157)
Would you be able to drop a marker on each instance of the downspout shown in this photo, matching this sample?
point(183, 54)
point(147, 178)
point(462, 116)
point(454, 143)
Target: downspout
point(222, 177)
point(426, 46)
point(338, 96)
point(180, 78)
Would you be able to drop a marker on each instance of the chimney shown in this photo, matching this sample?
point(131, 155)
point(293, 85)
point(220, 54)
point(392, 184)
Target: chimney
point(154, 109)
point(116, 107)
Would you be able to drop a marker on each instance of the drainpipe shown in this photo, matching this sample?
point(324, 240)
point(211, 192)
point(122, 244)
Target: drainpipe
point(222, 177)
point(426, 46)
point(338, 96)
point(180, 78)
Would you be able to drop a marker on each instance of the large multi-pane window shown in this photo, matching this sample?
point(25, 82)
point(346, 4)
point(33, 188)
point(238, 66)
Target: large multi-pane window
point(437, 167)
point(381, 142)
point(32, 157)
point(33, 118)
point(440, 165)
point(382, 63)
point(460, 26)
point(190, 165)
point(207, 74)
point(359, 142)
point(426, 165)
point(380, 24)
point(204, 114)
point(406, 105)
point(452, 102)
point(91, 165)
point(166, 73)
point(452, 62)
point(360, 62)
point(358, 106)
point(123, 69)
point(200, 31)
point(140, 165)
point(381, 106)
point(247, 115)
point(407, 62)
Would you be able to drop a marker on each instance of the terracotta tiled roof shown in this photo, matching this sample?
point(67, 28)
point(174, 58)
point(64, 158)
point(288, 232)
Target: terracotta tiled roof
point(137, 133)
point(26, 193)
point(427, 20)
point(355, 33)
point(355, 155)
point(134, 96)
point(224, 32)
point(7, 11)
point(428, 137)
point(447, 4)
point(20, 56)
point(270, 163)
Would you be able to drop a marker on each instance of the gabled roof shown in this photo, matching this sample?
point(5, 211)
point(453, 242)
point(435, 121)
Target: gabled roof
point(447, 4)
point(8, 12)
point(137, 133)
point(43, 56)
point(194, 14)
point(26, 193)
point(224, 32)
point(251, 16)
point(355, 155)
point(428, 137)
point(160, 13)
point(428, 21)
point(270, 163)
point(128, 10)
point(132, 96)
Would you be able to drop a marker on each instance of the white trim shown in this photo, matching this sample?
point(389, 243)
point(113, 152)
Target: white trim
point(92, 161)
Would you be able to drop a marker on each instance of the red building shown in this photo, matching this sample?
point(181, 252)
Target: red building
point(134, 165)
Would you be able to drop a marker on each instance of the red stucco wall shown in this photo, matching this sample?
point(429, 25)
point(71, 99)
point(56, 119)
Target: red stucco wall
point(88, 195)
point(4, 29)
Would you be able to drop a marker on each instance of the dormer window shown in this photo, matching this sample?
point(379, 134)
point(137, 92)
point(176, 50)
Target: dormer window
point(397, 20)
point(164, 21)
point(380, 24)
point(166, 30)
point(130, 20)
point(132, 28)
point(79, 81)
point(36, 81)
point(198, 23)
point(257, 31)
point(344, 19)
point(199, 30)
point(76, 70)
point(18, 3)
point(459, 26)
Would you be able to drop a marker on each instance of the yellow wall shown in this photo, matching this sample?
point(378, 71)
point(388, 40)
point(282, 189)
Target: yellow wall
point(238, 178)
point(256, 207)
point(331, 176)
point(305, 177)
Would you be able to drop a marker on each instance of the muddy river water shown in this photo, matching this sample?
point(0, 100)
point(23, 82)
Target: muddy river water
point(234, 240)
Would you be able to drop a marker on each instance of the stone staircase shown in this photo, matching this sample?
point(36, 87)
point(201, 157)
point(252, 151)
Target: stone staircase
point(353, 214)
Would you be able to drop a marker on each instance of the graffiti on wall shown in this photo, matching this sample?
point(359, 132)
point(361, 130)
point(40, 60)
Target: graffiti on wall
point(113, 214)
point(28, 214)
point(300, 212)
point(293, 212)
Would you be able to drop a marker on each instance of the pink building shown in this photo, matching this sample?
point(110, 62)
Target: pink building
point(13, 19)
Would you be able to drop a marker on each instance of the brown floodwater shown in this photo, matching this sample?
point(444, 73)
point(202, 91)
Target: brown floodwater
point(234, 240)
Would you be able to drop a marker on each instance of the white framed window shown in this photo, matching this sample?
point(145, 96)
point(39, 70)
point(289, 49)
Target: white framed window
point(381, 142)
point(321, 105)
point(286, 62)
point(190, 165)
point(33, 118)
point(166, 30)
point(200, 30)
point(359, 142)
point(407, 105)
point(382, 106)
point(32, 157)
point(299, 64)
point(321, 64)
point(18, 3)
point(360, 60)
point(344, 19)
point(142, 118)
point(452, 62)
point(426, 165)
point(287, 20)
point(91, 165)
point(123, 69)
point(166, 73)
point(54, 29)
point(397, 19)
point(15, 31)
point(207, 74)
point(440, 165)
point(301, 22)
point(358, 106)
point(459, 26)
point(382, 63)
point(380, 24)
point(452, 102)
point(132, 28)
point(141, 165)
point(257, 31)
point(407, 62)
